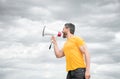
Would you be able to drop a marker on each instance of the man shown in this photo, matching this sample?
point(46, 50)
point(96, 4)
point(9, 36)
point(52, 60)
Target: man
point(76, 53)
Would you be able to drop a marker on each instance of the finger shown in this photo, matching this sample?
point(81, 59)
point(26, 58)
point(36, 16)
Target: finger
point(52, 38)
point(86, 78)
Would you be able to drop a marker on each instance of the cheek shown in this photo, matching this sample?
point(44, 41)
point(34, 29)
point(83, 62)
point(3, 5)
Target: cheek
point(65, 30)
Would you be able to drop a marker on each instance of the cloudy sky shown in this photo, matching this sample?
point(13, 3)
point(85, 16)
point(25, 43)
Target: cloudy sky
point(24, 53)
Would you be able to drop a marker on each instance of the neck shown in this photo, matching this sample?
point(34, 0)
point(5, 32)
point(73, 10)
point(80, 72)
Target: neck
point(69, 35)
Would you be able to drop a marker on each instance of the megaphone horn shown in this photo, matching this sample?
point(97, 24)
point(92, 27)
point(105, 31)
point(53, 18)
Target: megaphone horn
point(48, 32)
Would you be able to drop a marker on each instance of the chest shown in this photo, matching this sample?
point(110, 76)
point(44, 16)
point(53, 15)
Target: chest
point(70, 44)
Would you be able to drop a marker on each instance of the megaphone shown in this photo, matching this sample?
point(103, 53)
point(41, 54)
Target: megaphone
point(48, 32)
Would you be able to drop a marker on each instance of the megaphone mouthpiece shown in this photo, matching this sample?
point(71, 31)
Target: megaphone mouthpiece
point(59, 34)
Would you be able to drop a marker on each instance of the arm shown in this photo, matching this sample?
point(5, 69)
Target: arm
point(84, 50)
point(58, 53)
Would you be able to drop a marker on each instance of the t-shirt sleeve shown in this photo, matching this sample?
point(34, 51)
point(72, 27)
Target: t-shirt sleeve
point(80, 41)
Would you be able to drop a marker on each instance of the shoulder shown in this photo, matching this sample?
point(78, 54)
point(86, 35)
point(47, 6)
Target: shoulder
point(79, 38)
point(79, 41)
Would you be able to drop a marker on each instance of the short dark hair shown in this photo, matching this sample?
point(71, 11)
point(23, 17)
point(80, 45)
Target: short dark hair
point(71, 26)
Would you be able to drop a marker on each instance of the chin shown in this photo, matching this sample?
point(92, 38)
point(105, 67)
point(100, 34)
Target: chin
point(64, 36)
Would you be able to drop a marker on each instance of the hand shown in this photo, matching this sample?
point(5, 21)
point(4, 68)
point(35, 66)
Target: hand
point(53, 39)
point(87, 75)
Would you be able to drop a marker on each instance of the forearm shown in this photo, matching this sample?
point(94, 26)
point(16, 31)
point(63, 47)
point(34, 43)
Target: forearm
point(56, 50)
point(84, 50)
point(58, 53)
point(87, 60)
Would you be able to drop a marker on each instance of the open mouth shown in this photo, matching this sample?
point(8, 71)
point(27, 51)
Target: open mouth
point(64, 35)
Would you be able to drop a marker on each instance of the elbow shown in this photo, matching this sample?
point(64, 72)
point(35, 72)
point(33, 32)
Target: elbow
point(85, 52)
point(57, 56)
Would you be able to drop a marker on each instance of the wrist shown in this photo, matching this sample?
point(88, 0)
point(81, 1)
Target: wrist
point(55, 44)
point(87, 70)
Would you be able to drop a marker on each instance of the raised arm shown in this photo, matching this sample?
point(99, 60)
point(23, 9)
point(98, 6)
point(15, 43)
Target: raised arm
point(59, 53)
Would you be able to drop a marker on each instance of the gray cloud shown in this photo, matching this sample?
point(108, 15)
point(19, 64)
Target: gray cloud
point(23, 50)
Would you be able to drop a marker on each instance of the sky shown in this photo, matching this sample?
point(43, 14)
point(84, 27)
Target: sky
point(24, 53)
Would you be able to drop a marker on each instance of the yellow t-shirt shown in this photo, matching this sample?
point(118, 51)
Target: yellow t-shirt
point(74, 57)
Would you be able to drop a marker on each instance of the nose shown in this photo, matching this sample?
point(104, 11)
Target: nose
point(62, 32)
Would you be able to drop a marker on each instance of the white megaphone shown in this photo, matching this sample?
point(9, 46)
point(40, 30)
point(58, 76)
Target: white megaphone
point(48, 32)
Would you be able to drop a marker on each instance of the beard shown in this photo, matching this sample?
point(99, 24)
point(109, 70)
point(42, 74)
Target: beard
point(64, 35)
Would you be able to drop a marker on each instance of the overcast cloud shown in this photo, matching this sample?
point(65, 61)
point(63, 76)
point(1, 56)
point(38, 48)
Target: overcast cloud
point(24, 53)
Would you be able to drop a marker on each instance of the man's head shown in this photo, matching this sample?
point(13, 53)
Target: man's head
point(69, 28)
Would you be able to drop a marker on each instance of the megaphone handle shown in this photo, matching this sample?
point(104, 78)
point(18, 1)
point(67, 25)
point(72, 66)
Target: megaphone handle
point(50, 46)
